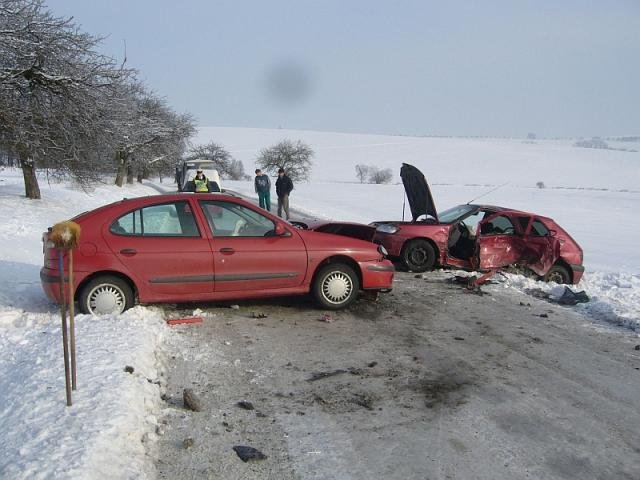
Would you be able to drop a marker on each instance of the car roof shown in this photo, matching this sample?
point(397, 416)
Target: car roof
point(497, 209)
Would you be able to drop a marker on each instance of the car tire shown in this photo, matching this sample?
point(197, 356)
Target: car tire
point(336, 286)
point(104, 295)
point(558, 274)
point(418, 255)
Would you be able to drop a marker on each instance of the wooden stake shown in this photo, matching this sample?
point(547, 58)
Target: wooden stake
point(72, 323)
point(63, 314)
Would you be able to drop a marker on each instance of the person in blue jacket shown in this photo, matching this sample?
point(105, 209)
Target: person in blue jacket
point(263, 189)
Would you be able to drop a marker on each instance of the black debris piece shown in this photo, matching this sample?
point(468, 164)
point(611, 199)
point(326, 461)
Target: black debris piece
point(128, 369)
point(458, 338)
point(246, 405)
point(569, 297)
point(321, 375)
point(372, 364)
point(543, 315)
point(249, 454)
point(637, 347)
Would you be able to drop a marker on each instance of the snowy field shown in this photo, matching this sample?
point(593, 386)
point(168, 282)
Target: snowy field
point(592, 193)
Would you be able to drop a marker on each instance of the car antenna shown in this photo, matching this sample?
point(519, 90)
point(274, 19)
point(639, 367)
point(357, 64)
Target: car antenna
point(487, 193)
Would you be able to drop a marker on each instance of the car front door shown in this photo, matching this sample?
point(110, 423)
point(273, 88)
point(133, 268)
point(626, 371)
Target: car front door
point(499, 242)
point(247, 253)
point(163, 249)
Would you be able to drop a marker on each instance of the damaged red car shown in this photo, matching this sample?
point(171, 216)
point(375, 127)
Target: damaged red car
point(209, 247)
point(478, 237)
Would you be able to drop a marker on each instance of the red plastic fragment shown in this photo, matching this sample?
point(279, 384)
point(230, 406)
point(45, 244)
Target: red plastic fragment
point(178, 321)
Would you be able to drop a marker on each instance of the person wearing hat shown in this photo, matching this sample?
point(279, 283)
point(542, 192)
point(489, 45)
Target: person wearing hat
point(284, 185)
point(201, 182)
point(263, 189)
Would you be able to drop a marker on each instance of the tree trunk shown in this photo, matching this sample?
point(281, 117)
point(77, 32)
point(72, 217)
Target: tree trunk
point(129, 175)
point(121, 165)
point(139, 177)
point(31, 187)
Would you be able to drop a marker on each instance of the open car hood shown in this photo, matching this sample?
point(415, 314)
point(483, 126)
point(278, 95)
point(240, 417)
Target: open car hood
point(418, 192)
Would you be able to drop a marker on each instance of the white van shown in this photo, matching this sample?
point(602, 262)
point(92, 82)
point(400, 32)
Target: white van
point(186, 172)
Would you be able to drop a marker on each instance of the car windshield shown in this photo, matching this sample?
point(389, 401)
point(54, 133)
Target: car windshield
point(453, 214)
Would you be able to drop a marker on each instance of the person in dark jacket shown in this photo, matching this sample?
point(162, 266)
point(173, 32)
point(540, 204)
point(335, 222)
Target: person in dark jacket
point(263, 189)
point(284, 185)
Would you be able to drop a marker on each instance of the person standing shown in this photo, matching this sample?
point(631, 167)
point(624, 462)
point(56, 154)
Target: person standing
point(284, 185)
point(263, 189)
point(201, 182)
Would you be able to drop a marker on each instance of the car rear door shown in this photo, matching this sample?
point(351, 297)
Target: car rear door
point(163, 249)
point(541, 249)
point(499, 242)
point(247, 254)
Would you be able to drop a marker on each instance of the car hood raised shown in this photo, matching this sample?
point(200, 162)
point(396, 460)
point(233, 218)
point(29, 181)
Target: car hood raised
point(418, 192)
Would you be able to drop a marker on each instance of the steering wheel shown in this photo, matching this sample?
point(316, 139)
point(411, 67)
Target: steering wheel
point(464, 230)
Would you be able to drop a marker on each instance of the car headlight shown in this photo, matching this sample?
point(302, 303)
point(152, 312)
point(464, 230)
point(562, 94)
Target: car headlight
point(383, 250)
point(386, 228)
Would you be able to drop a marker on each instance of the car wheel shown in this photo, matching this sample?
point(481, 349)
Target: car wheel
point(418, 255)
point(336, 286)
point(558, 274)
point(105, 295)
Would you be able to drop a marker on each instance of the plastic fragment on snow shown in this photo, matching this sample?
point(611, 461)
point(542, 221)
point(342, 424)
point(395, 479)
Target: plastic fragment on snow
point(179, 321)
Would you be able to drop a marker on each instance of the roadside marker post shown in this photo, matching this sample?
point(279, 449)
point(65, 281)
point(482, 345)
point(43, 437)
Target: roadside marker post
point(65, 236)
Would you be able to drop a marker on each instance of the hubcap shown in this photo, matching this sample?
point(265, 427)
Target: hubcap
point(418, 256)
point(556, 277)
point(106, 299)
point(337, 287)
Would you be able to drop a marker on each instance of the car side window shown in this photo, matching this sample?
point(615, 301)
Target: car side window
point(500, 225)
point(164, 220)
point(538, 229)
point(228, 219)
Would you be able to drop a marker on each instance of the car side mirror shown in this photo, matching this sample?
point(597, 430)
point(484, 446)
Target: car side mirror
point(281, 231)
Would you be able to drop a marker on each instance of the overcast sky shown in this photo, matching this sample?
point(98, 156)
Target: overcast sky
point(494, 67)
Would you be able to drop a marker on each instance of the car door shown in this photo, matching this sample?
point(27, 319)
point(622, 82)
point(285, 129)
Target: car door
point(247, 253)
point(499, 242)
point(162, 247)
point(541, 248)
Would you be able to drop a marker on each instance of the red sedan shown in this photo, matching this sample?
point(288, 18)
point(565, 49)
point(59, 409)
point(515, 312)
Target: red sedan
point(208, 247)
point(478, 237)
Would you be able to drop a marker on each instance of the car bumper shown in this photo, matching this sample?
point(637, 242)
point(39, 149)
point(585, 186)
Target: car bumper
point(50, 281)
point(577, 271)
point(377, 275)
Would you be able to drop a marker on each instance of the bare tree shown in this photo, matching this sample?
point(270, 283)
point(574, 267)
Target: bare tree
point(380, 176)
point(52, 85)
point(294, 157)
point(362, 172)
point(147, 134)
point(226, 165)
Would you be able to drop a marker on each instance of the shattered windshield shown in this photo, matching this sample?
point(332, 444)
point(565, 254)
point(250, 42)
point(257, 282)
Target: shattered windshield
point(453, 214)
